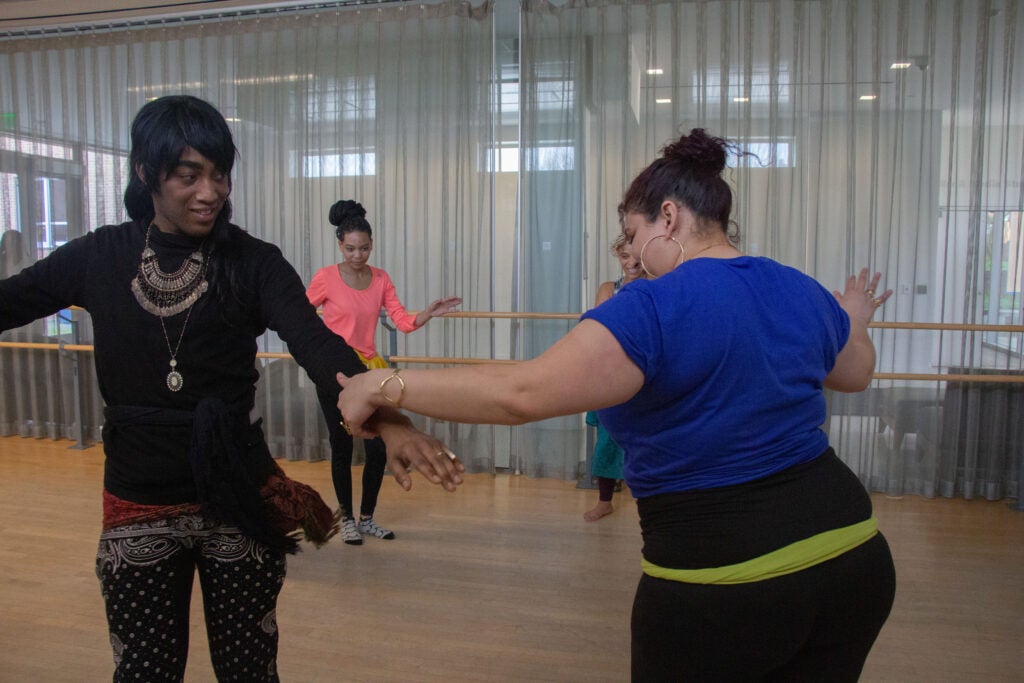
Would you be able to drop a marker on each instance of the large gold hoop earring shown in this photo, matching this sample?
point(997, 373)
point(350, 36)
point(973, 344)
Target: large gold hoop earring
point(682, 254)
point(642, 264)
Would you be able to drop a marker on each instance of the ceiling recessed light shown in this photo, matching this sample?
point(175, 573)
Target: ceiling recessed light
point(741, 99)
point(663, 100)
point(868, 98)
point(901, 65)
point(654, 72)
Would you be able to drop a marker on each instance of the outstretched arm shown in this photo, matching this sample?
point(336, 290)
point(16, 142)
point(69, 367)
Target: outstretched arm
point(855, 363)
point(586, 369)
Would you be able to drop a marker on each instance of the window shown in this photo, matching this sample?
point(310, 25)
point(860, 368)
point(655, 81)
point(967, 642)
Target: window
point(505, 158)
point(51, 211)
point(766, 153)
point(24, 145)
point(346, 99)
point(10, 215)
point(339, 164)
point(756, 86)
point(1003, 277)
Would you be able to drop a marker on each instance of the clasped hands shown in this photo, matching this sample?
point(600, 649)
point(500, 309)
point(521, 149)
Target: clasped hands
point(407, 447)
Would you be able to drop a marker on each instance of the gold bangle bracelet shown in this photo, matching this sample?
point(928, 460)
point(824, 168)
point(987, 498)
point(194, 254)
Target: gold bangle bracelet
point(396, 402)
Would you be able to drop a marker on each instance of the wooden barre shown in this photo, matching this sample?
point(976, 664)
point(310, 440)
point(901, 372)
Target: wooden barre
point(926, 377)
point(433, 360)
point(440, 360)
point(511, 315)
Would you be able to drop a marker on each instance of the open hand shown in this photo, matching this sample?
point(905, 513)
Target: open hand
point(408, 448)
point(445, 305)
point(861, 299)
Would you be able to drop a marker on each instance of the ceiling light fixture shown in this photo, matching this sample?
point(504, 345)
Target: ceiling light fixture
point(655, 72)
point(868, 98)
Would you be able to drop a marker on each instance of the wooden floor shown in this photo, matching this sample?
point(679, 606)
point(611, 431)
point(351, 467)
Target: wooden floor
point(501, 581)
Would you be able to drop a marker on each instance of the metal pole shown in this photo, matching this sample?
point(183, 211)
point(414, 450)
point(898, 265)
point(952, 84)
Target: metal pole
point(79, 417)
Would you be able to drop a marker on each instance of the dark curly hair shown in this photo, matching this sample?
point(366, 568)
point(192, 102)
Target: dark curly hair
point(349, 216)
point(689, 171)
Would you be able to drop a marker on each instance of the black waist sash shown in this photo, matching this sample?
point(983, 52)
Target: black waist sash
point(224, 465)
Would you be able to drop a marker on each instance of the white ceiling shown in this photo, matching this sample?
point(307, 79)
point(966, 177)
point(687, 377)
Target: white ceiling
point(24, 14)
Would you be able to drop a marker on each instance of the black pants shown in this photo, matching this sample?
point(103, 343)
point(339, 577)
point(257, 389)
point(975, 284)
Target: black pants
point(146, 573)
point(814, 625)
point(341, 460)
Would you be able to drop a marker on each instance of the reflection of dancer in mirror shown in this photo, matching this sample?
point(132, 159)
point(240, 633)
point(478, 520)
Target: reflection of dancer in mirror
point(178, 297)
point(606, 463)
point(351, 294)
point(762, 559)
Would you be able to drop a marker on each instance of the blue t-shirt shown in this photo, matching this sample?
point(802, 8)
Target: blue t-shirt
point(734, 354)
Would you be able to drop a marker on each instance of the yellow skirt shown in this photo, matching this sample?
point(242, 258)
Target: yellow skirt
point(375, 362)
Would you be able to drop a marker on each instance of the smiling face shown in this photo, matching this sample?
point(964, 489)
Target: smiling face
point(630, 264)
point(355, 248)
point(191, 196)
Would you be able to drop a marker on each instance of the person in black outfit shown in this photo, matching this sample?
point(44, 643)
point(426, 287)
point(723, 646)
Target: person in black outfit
point(178, 297)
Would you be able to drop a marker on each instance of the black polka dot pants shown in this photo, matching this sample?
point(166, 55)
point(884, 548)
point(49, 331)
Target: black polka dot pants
point(146, 572)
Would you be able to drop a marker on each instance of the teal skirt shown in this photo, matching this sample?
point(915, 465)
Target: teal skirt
point(607, 460)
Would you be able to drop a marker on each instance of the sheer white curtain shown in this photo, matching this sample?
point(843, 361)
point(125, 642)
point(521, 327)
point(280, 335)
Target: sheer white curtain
point(387, 104)
point(492, 142)
point(888, 134)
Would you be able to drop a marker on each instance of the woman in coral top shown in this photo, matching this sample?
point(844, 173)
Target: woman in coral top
point(351, 294)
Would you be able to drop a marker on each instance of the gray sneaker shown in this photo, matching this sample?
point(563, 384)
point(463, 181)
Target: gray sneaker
point(349, 532)
point(368, 527)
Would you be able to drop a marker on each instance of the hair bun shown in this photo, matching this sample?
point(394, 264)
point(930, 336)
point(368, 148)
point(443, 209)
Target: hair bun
point(699, 151)
point(346, 209)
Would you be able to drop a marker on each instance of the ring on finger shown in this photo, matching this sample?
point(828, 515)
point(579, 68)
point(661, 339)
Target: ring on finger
point(877, 302)
point(870, 292)
point(347, 429)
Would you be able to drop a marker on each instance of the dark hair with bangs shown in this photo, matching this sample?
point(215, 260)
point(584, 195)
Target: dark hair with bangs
point(689, 172)
point(161, 131)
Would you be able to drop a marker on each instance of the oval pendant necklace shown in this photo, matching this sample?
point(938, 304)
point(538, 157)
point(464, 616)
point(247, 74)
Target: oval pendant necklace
point(174, 379)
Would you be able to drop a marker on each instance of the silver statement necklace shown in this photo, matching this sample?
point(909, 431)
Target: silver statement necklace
point(166, 294)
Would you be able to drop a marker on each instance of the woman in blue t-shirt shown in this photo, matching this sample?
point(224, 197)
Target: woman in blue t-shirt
point(761, 557)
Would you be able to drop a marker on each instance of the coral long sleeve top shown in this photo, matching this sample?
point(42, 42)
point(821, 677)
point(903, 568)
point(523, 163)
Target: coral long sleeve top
point(353, 313)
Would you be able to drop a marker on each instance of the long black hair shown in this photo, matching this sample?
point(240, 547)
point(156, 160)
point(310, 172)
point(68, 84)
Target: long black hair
point(161, 131)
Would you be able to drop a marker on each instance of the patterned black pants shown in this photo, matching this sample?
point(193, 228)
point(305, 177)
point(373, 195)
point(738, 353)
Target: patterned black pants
point(146, 573)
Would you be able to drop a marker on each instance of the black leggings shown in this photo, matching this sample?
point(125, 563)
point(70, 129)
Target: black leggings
point(814, 625)
point(146, 573)
point(341, 460)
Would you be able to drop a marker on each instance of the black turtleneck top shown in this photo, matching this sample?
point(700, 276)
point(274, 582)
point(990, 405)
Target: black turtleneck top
point(217, 350)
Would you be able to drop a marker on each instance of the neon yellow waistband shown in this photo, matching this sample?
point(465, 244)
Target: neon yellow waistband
point(786, 560)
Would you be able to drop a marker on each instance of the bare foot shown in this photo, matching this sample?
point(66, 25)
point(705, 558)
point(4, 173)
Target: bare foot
point(598, 511)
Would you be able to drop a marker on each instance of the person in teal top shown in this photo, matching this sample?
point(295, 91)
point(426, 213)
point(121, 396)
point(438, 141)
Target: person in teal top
point(606, 461)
